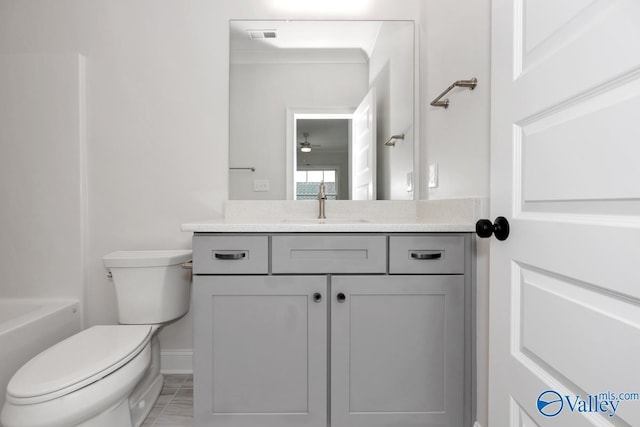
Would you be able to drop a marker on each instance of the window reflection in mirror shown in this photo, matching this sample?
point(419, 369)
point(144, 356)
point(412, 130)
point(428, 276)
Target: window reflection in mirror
point(308, 184)
point(279, 69)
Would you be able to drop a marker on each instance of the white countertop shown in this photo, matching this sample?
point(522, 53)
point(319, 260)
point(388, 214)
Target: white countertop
point(457, 215)
point(327, 226)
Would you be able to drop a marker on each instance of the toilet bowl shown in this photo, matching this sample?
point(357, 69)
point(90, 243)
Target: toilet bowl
point(106, 376)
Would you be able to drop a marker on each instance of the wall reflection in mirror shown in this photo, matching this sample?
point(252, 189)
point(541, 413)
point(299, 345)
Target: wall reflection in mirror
point(315, 101)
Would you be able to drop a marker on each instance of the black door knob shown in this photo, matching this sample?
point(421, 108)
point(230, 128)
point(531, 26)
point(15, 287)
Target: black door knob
point(341, 297)
point(317, 297)
point(500, 227)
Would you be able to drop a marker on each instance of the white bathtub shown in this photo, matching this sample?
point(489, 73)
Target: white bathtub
point(27, 327)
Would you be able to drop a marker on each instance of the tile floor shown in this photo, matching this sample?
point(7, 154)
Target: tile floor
point(174, 407)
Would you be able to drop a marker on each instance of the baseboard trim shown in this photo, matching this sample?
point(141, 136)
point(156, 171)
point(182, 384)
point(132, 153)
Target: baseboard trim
point(176, 361)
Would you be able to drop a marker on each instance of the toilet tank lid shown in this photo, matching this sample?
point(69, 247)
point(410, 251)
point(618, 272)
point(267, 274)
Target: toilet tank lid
point(149, 258)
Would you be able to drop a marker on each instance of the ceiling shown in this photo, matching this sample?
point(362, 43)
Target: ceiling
point(359, 35)
point(325, 135)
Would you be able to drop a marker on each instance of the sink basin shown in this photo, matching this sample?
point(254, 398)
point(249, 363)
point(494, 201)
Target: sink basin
point(324, 221)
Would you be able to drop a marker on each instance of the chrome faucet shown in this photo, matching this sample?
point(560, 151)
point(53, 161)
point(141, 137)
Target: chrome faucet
point(322, 196)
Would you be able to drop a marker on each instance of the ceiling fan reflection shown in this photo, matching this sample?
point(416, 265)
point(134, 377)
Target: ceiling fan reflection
point(305, 146)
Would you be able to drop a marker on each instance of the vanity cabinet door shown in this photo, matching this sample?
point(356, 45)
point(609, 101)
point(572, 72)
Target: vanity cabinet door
point(397, 345)
point(260, 355)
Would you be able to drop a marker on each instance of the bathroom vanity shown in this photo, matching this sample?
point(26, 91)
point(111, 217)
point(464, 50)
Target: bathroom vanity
point(308, 324)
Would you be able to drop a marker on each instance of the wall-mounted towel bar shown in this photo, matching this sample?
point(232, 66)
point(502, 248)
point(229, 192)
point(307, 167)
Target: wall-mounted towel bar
point(471, 84)
point(248, 169)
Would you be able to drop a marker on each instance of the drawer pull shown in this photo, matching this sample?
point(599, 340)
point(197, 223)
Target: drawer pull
point(341, 297)
point(235, 256)
point(420, 256)
point(317, 297)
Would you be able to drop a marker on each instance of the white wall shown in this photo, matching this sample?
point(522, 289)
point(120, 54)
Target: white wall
point(261, 95)
point(42, 176)
point(157, 74)
point(391, 72)
point(455, 45)
point(157, 112)
point(156, 101)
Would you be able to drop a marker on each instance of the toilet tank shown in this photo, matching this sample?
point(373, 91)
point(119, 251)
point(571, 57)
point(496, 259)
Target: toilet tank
point(151, 286)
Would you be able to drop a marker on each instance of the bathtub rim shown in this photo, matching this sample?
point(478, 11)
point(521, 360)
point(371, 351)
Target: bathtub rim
point(45, 307)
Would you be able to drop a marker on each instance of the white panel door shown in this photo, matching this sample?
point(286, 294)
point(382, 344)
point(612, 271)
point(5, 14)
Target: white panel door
point(363, 149)
point(565, 286)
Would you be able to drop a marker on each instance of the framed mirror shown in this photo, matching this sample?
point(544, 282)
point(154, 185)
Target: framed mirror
point(321, 100)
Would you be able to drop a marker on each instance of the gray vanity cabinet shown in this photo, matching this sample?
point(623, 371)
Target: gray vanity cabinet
point(260, 355)
point(396, 351)
point(346, 330)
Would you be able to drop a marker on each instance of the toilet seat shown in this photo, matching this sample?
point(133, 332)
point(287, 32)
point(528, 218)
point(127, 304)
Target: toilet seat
point(77, 362)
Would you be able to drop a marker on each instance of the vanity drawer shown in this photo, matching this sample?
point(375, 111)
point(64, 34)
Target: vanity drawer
point(426, 255)
point(328, 254)
point(230, 254)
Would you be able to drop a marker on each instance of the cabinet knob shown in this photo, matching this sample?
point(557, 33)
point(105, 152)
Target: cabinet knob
point(341, 297)
point(317, 297)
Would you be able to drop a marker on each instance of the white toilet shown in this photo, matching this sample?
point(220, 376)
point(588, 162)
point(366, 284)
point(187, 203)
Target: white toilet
point(106, 376)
